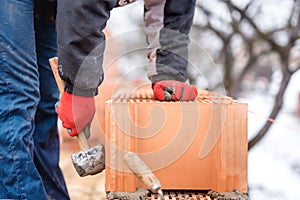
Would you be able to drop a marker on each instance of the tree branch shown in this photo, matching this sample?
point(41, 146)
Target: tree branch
point(276, 108)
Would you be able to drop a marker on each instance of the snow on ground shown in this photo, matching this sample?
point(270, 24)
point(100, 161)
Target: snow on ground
point(274, 163)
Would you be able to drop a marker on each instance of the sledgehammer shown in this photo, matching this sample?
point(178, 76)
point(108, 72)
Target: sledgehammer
point(90, 160)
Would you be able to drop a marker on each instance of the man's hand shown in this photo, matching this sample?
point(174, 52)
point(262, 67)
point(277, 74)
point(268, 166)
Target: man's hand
point(75, 112)
point(171, 90)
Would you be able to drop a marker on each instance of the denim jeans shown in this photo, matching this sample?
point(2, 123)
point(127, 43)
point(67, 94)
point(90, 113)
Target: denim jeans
point(29, 144)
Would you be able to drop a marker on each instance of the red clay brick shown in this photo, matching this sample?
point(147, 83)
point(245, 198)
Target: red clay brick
point(197, 145)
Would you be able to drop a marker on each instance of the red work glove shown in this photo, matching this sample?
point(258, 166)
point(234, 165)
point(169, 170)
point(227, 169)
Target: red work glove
point(75, 112)
point(171, 90)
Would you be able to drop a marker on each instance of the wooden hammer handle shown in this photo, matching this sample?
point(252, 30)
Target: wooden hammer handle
point(82, 140)
point(54, 66)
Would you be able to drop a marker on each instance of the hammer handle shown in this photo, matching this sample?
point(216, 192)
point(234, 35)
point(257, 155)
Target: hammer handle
point(82, 139)
point(54, 66)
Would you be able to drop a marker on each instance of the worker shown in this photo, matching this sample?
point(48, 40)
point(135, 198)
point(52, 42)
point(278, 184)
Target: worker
point(81, 43)
point(29, 143)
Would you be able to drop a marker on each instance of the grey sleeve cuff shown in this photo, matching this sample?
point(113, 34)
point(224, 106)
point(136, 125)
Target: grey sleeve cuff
point(159, 77)
point(80, 92)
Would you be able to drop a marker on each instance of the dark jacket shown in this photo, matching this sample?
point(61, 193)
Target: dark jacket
point(81, 42)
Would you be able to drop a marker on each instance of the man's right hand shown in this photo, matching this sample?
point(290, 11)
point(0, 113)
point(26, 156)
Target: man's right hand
point(75, 112)
point(171, 90)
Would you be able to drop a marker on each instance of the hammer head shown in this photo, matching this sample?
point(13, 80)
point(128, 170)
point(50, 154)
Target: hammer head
point(89, 162)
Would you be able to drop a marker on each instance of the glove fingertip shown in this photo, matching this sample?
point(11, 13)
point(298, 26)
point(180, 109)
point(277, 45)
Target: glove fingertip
point(73, 133)
point(193, 94)
point(158, 95)
point(156, 86)
point(195, 90)
point(157, 91)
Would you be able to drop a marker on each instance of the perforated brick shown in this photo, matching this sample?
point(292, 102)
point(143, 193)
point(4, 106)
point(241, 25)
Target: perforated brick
point(196, 145)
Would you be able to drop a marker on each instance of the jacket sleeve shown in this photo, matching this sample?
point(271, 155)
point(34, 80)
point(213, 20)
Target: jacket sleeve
point(167, 25)
point(81, 43)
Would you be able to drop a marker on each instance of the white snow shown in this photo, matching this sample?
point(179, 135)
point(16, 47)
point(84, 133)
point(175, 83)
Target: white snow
point(274, 163)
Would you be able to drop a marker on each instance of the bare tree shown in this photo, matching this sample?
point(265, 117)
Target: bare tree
point(247, 40)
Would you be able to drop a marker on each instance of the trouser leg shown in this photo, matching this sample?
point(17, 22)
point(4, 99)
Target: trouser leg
point(46, 138)
point(19, 96)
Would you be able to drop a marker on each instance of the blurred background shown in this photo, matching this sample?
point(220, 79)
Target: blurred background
point(249, 50)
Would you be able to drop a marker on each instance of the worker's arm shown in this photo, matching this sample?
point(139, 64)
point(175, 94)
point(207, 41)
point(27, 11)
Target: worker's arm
point(81, 44)
point(167, 25)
